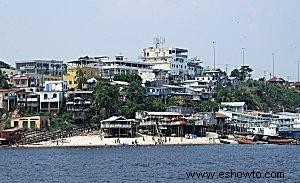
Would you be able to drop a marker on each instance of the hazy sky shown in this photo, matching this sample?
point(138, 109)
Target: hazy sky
point(61, 29)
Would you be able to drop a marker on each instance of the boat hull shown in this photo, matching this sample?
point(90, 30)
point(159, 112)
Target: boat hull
point(292, 133)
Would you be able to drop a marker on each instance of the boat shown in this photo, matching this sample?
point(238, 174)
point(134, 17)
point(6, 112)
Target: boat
point(245, 141)
point(288, 124)
point(281, 141)
point(228, 141)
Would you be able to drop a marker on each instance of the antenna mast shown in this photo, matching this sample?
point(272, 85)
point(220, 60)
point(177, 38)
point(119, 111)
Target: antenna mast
point(159, 42)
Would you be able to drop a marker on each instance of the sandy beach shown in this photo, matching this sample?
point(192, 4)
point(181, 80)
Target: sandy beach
point(96, 140)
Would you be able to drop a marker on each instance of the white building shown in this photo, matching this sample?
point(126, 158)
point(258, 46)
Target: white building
point(238, 107)
point(51, 101)
point(173, 60)
point(120, 65)
point(55, 86)
point(44, 67)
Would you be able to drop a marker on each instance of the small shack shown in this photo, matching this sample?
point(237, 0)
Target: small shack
point(117, 126)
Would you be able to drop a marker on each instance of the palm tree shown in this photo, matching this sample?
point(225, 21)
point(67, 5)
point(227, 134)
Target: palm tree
point(3, 79)
point(80, 78)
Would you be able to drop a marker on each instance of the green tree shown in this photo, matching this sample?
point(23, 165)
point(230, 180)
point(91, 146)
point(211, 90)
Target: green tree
point(4, 65)
point(3, 79)
point(63, 121)
point(235, 73)
point(207, 106)
point(128, 77)
point(243, 73)
point(106, 102)
point(154, 104)
point(80, 78)
point(135, 98)
point(175, 101)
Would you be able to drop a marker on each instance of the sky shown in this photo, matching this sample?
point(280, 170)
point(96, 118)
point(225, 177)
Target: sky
point(68, 29)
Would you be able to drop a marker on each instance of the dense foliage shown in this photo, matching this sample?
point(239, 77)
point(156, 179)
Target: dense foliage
point(260, 95)
point(3, 79)
point(80, 78)
point(242, 74)
point(4, 65)
point(129, 77)
point(123, 100)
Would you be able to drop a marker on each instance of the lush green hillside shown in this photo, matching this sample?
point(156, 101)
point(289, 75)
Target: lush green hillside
point(260, 95)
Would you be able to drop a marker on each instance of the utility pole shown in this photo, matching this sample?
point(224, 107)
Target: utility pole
point(214, 49)
point(243, 50)
point(273, 64)
point(226, 67)
point(265, 74)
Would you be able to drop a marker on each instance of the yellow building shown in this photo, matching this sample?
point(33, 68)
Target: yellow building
point(51, 78)
point(89, 69)
point(32, 122)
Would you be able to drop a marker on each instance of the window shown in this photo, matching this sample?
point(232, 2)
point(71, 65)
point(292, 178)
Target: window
point(170, 51)
point(75, 82)
point(32, 124)
point(45, 96)
point(176, 66)
point(16, 123)
point(54, 95)
point(70, 82)
point(25, 124)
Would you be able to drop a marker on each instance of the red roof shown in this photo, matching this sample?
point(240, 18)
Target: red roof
point(297, 84)
point(11, 90)
point(275, 79)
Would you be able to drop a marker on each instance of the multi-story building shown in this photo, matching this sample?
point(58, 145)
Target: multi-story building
point(120, 65)
point(51, 101)
point(90, 68)
point(8, 98)
point(194, 68)
point(28, 82)
point(173, 60)
point(55, 86)
point(79, 103)
point(43, 67)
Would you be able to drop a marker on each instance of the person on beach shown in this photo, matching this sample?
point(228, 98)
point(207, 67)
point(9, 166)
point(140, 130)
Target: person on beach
point(143, 138)
point(57, 142)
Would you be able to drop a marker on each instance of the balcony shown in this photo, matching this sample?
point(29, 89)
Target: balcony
point(107, 125)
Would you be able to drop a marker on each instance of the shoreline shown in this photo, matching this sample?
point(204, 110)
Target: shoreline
point(97, 141)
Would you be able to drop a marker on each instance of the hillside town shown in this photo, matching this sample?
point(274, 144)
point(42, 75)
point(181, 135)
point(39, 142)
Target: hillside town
point(164, 94)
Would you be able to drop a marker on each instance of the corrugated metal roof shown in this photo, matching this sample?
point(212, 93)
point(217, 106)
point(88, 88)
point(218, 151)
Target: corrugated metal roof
point(163, 113)
point(233, 104)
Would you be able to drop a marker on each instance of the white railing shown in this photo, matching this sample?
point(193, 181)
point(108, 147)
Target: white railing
point(103, 125)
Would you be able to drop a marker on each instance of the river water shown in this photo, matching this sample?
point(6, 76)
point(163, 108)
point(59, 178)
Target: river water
point(149, 164)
